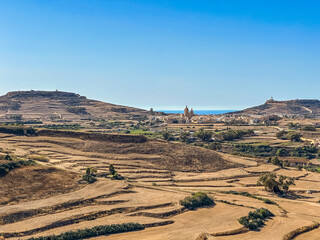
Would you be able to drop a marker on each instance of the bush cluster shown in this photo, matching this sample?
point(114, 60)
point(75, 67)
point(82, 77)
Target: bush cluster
point(7, 167)
point(93, 232)
point(292, 135)
point(198, 199)
point(252, 150)
point(17, 130)
point(75, 126)
point(255, 219)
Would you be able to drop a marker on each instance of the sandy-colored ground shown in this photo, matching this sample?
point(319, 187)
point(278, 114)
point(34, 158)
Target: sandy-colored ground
point(151, 194)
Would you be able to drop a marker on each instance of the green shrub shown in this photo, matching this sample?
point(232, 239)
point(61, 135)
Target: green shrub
point(90, 175)
point(197, 200)
point(114, 174)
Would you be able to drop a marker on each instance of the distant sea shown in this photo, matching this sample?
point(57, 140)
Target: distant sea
point(200, 112)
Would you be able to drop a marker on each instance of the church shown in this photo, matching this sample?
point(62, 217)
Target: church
point(188, 114)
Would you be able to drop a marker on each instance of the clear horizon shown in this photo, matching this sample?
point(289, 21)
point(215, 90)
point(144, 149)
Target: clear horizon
point(163, 54)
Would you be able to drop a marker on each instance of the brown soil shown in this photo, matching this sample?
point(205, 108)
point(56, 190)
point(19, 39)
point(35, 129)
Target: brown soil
point(35, 182)
point(169, 155)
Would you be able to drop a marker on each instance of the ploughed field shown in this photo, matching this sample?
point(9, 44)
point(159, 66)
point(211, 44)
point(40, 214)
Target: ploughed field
point(49, 199)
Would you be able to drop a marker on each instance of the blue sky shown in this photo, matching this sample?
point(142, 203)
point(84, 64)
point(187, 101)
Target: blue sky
point(163, 54)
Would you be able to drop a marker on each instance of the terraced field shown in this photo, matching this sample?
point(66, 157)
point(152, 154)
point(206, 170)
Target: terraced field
point(155, 182)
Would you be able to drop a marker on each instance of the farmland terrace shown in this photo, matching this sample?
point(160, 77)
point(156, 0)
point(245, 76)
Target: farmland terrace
point(157, 175)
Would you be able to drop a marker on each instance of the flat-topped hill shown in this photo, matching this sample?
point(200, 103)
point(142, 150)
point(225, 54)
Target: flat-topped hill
point(309, 107)
point(60, 106)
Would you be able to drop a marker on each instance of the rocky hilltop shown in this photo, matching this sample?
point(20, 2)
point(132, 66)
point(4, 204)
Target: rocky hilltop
point(60, 106)
point(305, 107)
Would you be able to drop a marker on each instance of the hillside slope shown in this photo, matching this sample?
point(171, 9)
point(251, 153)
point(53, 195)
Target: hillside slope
point(60, 106)
point(309, 107)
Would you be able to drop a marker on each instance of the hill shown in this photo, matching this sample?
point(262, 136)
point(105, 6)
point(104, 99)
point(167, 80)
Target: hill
point(57, 106)
point(307, 107)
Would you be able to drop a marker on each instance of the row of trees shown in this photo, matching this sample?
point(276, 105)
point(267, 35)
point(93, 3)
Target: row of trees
point(93, 232)
point(206, 136)
point(296, 126)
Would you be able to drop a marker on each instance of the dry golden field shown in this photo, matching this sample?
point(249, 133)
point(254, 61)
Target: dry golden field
point(49, 199)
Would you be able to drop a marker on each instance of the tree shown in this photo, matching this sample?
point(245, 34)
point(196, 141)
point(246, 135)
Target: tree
point(111, 169)
point(204, 136)
point(294, 136)
point(275, 183)
point(113, 173)
point(281, 134)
